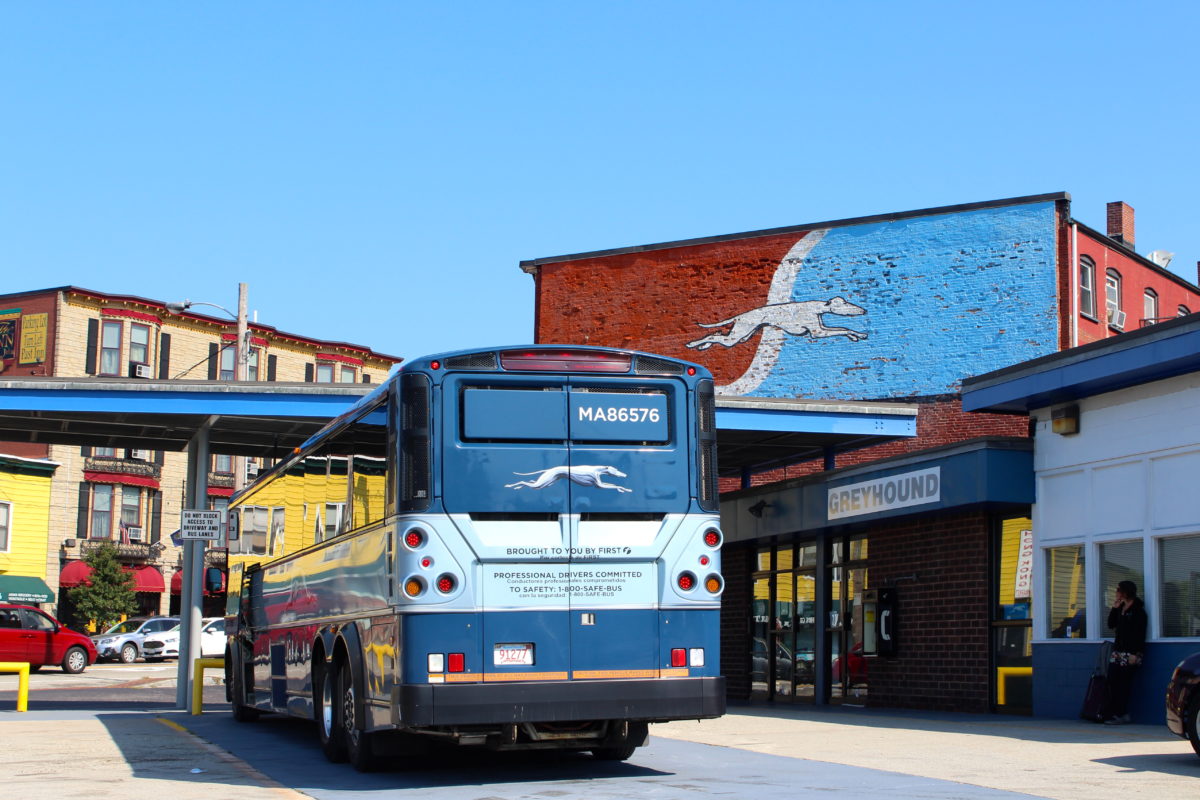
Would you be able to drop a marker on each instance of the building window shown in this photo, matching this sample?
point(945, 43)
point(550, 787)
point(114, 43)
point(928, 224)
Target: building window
point(1149, 307)
point(252, 364)
point(110, 348)
point(1112, 298)
point(348, 374)
point(1119, 561)
point(104, 452)
point(102, 508)
point(334, 514)
point(1087, 287)
point(228, 370)
point(1179, 601)
point(1066, 603)
point(5, 525)
point(324, 373)
point(139, 343)
point(222, 463)
point(131, 514)
point(1183, 311)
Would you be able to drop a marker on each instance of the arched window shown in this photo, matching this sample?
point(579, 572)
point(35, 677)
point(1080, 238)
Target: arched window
point(1184, 311)
point(1112, 298)
point(1149, 307)
point(1087, 286)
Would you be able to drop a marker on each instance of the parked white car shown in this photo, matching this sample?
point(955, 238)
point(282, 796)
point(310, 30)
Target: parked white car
point(124, 640)
point(166, 644)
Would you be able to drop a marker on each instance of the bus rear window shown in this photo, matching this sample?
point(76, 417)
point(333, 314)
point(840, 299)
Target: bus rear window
point(514, 415)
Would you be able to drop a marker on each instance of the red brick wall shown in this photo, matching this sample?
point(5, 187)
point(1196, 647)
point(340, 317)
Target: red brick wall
point(940, 421)
point(939, 567)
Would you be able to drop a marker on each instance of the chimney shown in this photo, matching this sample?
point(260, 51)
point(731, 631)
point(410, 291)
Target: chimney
point(1120, 223)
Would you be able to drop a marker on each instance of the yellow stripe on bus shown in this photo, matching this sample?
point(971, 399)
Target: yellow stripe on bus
point(489, 677)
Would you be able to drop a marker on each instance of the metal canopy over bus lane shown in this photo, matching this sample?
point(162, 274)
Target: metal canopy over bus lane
point(261, 419)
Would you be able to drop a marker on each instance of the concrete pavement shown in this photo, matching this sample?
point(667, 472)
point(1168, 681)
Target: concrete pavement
point(151, 754)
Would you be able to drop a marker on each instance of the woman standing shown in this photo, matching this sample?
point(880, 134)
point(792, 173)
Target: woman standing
point(1128, 619)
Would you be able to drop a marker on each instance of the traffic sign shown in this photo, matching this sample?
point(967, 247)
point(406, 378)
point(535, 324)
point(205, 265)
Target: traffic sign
point(201, 524)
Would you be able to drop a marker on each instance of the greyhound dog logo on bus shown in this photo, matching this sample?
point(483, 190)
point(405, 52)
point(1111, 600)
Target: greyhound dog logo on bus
point(583, 475)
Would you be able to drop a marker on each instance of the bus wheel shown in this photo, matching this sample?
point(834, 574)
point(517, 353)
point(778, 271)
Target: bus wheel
point(237, 694)
point(326, 711)
point(635, 739)
point(358, 741)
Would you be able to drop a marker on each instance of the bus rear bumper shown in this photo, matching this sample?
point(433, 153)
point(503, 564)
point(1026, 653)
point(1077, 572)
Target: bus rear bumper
point(424, 705)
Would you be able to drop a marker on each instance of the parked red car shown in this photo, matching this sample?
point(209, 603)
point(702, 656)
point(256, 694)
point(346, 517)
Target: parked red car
point(30, 635)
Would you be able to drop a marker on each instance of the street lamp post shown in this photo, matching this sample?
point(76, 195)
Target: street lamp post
point(192, 590)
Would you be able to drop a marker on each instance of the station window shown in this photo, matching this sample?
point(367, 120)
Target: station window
point(1119, 561)
point(1087, 286)
point(1066, 594)
point(1179, 597)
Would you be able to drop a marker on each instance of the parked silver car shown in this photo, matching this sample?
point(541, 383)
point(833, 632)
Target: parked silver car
point(123, 641)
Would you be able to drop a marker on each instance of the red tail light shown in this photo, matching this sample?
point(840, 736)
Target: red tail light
point(454, 662)
point(712, 538)
point(686, 581)
point(414, 539)
point(558, 360)
point(446, 584)
point(679, 657)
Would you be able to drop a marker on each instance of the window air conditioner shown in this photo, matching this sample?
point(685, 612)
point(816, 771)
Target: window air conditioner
point(139, 455)
point(142, 371)
point(1116, 318)
point(251, 471)
point(135, 534)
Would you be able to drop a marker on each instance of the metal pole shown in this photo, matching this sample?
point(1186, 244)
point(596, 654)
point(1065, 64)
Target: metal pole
point(192, 591)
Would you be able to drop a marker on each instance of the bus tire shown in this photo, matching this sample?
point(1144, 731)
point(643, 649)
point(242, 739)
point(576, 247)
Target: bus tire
point(358, 741)
point(327, 713)
point(621, 752)
point(237, 695)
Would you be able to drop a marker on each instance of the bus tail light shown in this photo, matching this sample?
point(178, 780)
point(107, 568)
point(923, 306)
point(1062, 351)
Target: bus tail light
point(696, 657)
point(414, 538)
point(678, 657)
point(414, 587)
point(712, 538)
point(445, 585)
point(455, 662)
point(560, 360)
point(713, 583)
point(686, 581)
point(436, 662)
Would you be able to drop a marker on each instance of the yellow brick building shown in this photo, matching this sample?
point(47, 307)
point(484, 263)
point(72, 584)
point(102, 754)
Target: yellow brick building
point(134, 497)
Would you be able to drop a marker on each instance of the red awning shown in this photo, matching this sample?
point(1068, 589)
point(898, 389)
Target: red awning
point(220, 491)
point(145, 578)
point(119, 477)
point(73, 574)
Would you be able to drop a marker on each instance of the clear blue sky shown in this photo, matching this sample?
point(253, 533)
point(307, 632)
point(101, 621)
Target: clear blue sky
point(376, 171)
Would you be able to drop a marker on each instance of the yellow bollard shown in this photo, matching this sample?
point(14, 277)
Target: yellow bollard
point(22, 670)
point(198, 667)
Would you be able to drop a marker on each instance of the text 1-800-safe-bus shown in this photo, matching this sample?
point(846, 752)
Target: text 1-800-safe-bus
point(516, 548)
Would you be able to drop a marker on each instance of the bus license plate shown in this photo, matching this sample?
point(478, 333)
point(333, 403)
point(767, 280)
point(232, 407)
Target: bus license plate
point(508, 655)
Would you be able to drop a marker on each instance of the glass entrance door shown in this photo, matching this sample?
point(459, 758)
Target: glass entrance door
point(845, 627)
point(784, 624)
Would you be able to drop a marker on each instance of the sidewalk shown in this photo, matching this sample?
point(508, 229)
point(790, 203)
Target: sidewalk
point(150, 755)
point(1060, 759)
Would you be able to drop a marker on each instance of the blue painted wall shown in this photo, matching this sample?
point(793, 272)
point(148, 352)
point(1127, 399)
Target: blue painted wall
point(1061, 671)
point(946, 296)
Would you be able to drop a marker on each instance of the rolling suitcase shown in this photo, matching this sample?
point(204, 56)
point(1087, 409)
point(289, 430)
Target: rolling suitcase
point(1095, 699)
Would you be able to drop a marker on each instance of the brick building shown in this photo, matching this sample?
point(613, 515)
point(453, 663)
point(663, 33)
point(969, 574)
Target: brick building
point(133, 497)
point(897, 307)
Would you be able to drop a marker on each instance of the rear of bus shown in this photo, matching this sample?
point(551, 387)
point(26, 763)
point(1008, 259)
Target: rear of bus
point(559, 547)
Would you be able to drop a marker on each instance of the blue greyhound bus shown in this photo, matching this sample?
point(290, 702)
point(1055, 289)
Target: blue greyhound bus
point(513, 548)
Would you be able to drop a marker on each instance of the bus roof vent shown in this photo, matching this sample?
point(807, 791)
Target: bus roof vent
point(649, 365)
point(472, 361)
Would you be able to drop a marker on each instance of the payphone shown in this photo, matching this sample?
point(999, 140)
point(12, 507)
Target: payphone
point(879, 616)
